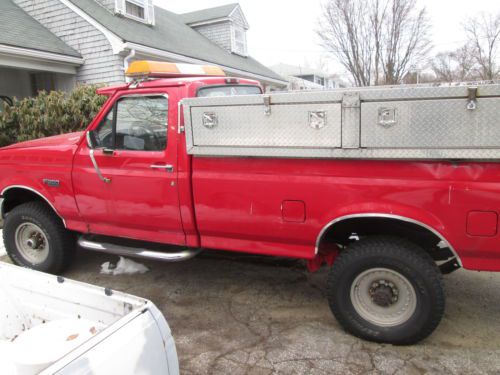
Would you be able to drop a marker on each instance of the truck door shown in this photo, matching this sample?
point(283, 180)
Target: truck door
point(130, 173)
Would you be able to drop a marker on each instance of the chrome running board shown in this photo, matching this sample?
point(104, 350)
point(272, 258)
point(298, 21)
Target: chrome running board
point(135, 252)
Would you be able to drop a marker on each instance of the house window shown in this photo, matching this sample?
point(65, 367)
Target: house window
point(133, 9)
point(139, 10)
point(239, 41)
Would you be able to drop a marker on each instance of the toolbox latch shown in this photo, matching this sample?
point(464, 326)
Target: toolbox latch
point(267, 104)
point(472, 102)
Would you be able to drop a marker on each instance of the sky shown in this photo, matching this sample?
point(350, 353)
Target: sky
point(283, 31)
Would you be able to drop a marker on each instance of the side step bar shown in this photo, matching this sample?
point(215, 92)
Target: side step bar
point(137, 252)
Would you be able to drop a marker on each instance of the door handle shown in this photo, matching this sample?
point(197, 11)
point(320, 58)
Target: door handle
point(168, 167)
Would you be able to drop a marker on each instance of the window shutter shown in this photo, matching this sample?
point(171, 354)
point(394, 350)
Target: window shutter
point(150, 12)
point(120, 6)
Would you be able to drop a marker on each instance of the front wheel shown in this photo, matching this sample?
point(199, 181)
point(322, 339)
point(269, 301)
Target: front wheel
point(35, 238)
point(386, 289)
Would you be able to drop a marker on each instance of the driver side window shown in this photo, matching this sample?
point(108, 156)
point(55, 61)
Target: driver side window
point(136, 123)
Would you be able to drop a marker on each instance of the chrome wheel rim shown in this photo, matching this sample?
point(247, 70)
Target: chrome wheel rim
point(383, 297)
point(32, 243)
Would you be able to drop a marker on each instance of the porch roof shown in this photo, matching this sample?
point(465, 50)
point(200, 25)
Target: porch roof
point(19, 30)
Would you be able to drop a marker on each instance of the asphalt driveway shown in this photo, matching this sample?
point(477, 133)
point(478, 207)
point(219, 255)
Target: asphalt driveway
point(236, 314)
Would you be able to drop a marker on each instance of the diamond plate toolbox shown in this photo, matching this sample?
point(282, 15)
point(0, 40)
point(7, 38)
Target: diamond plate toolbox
point(406, 122)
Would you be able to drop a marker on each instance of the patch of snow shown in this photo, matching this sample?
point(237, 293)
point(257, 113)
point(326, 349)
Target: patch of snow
point(2, 246)
point(123, 267)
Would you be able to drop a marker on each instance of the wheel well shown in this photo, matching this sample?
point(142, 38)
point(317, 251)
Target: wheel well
point(348, 230)
point(16, 196)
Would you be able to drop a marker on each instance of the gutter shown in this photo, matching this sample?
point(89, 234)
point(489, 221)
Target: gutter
point(41, 55)
point(126, 63)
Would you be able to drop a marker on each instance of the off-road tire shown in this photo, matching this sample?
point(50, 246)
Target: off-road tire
point(62, 241)
point(403, 257)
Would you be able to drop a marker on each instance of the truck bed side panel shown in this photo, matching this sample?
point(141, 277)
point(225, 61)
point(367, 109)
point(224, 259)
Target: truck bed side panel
point(241, 202)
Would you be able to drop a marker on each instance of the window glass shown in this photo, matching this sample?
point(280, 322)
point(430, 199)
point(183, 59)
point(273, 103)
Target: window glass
point(228, 91)
point(239, 41)
point(141, 123)
point(135, 10)
point(104, 134)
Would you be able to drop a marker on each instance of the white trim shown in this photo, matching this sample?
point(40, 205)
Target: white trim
point(126, 63)
point(169, 55)
point(29, 63)
point(115, 41)
point(147, 7)
point(33, 191)
point(238, 7)
point(209, 22)
point(42, 55)
point(444, 241)
point(234, 50)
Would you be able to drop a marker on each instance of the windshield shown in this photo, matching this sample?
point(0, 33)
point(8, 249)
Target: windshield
point(211, 91)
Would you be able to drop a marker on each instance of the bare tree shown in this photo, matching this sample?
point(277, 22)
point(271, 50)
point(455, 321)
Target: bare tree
point(443, 65)
point(345, 32)
point(377, 41)
point(458, 65)
point(483, 34)
point(465, 69)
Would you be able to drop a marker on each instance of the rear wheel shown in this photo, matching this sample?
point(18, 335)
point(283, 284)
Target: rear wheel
point(35, 238)
point(386, 289)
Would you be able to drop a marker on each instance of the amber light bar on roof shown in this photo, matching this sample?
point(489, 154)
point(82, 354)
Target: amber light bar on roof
point(158, 69)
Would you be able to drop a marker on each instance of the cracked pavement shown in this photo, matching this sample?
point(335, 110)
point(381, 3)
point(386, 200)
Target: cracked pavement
point(239, 314)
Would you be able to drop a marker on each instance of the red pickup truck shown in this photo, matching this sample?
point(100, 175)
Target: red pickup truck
point(127, 185)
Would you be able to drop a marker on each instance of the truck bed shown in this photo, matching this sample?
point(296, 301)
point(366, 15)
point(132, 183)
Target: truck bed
point(94, 323)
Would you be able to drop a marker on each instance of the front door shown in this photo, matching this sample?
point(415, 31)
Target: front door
point(133, 177)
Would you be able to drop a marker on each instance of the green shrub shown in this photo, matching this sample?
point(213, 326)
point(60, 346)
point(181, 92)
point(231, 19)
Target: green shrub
point(49, 114)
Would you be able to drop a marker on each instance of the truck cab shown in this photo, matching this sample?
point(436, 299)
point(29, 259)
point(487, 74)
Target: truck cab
point(129, 183)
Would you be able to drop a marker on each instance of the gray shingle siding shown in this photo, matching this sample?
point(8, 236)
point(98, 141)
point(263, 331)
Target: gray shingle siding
point(238, 18)
point(219, 33)
point(101, 65)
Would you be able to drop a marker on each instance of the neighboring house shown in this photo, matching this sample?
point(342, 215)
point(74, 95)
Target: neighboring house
point(55, 44)
point(304, 78)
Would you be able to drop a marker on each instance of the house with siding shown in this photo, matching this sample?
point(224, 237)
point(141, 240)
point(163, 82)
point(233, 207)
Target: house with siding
point(56, 44)
point(307, 78)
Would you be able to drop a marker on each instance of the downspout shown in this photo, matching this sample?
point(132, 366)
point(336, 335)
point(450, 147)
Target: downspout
point(126, 63)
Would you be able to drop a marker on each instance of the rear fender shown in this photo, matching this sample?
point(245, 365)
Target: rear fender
point(423, 219)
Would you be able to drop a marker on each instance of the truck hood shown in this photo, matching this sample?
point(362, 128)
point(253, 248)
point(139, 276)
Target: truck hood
point(57, 140)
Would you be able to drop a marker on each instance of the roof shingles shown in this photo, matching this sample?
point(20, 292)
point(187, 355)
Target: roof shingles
point(19, 29)
point(208, 14)
point(171, 34)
